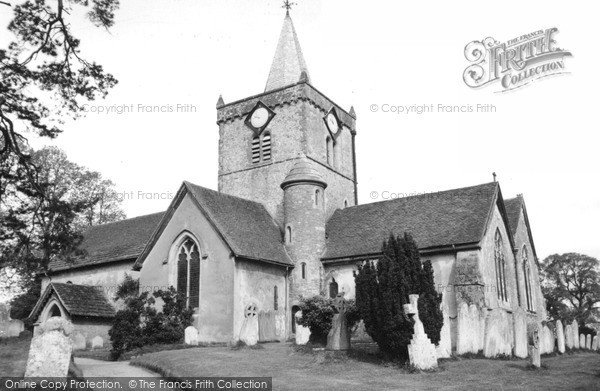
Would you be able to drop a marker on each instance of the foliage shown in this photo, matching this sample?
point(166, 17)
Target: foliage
point(46, 222)
point(140, 323)
point(128, 288)
point(383, 288)
point(571, 287)
point(317, 315)
point(21, 305)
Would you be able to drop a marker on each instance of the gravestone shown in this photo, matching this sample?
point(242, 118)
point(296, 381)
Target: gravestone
point(588, 341)
point(339, 336)
point(444, 347)
point(595, 343)
point(534, 345)
point(520, 325)
point(249, 331)
point(560, 336)
point(97, 342)
point(15, 327)
point(302, 333)
point(267, 328)
point(575, 328)
point(546, 340)
point(421, 351)
point(470, 329)
point(569, 337)
point(280, 325)
point(497, 334)
point(4, 318)
point(581, 341)
point(78, 341)
point(50, 350)
point(191, 336)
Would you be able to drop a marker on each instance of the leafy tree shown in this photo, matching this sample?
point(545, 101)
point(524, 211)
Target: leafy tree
point(35, 230)
point(44, 76)
point(43, 79)
point(382, 288)
point(571, 287)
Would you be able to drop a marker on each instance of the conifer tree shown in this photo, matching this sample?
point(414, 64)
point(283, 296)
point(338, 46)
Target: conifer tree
point(383, 289)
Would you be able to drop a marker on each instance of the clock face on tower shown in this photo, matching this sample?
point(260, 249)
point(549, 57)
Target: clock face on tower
point(259, 117)
point(332, 122)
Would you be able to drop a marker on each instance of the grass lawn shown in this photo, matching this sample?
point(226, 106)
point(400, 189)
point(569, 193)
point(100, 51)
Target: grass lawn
point(13, 356)
point(294, 369)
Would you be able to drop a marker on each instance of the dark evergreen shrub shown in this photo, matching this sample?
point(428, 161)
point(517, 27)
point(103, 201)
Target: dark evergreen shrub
point(317, 315)
point(382, 288)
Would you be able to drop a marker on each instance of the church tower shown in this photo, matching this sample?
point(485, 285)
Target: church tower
point(262, 137)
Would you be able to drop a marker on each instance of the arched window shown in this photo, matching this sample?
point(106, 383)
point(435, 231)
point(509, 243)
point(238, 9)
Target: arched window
point(345, 203)
point(188, 272)
point(329, 145)
point(527, 278)
point(303, 270)
point(288, 234)
point(317, 196)
point(261, 148)
point(275, 298)
point(54, 311)
point(500, 263)
point(333, 288)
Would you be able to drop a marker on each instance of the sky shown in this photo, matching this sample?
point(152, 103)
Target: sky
point(541, 140)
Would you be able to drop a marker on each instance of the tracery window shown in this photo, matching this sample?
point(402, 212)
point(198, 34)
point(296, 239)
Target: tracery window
point(188, 272)
point(500, 263)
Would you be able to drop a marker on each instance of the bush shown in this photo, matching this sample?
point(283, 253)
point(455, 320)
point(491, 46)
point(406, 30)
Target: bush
point(317, 315)
point(383, 288)
point(140, 324)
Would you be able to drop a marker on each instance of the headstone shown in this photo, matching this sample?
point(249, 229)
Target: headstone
point(50, 350)
point(546, 340)
point(97, 342)
point(339, 335)
point(497, 334)
point(560, 336)
point(78, 341)
point(280, 325)
point(595, 343)
point(444, 347)
point(249, 331)
point(534, 345)
point(267, 328)
point(15, 327)
point(421, 351)
point(470, 329)
point(588, 341)
point(575, 328)
point(191, 336)
point(520, 324)
point(581, 341)
point(4, 318)
point(302, 333)
point(569, 337)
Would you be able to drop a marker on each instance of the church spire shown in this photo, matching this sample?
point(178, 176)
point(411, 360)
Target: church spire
point(288, 63)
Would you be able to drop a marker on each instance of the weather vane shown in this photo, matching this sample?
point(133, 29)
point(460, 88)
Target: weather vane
point(287, 4)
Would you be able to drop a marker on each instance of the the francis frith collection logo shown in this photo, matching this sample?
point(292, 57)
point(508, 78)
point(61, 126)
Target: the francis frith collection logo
point(515, 63)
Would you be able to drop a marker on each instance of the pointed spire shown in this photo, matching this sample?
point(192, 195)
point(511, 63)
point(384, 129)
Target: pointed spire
point(220, 102)
point(288, 63)
point(352, 112)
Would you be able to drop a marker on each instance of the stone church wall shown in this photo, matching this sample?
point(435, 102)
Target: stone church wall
point(107, 277)
point(215, 313)
point(255, 284)
point(522, 238)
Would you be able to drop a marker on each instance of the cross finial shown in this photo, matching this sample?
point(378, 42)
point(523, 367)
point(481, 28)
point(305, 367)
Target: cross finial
point(287, 4)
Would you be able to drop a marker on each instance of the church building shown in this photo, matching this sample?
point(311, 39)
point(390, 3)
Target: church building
point(285, 224)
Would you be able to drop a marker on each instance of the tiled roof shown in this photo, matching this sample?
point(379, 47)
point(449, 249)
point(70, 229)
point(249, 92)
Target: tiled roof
point(111, 242)
point(78, 300)
point(246, 225)
point(513, 210)
point(435, 220)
